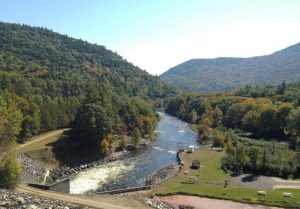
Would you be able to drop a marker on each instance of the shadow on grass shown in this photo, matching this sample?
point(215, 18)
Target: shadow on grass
point(69, 153)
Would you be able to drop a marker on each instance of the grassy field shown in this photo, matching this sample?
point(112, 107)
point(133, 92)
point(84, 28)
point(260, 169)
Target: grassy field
point(211, 183)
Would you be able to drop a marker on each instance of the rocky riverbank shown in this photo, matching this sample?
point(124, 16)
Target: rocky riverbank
point(66, 171)
point(16, 200)
point(162, 175)
point(32, 170)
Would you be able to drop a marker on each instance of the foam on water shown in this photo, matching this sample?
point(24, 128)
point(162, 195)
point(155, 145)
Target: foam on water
point(172, 152)
point(158, 148)
point(93, 178)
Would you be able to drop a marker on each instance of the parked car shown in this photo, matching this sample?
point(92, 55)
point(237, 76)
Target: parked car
point(195, 164)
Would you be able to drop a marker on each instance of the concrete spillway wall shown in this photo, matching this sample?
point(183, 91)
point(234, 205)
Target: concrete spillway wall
point(118, 191)
point(60, 186)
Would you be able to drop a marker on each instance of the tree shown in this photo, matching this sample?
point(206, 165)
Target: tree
point(91, 125)
point(105, 145)
point(282, 115)
point(30, 127)
point(194, 116)
point(234, 115)
point(264, 159)
point(10, 172)
point(217, 117)
point(148, 127)
point(228, 140)
point(254, 156)
point(122, 143)
point(204, 129)
point(136, 136)
point(281, 88)
point(10, 122)
point(241, 156)
point(250, 121)
point(267, 121)
point(293, 126)
point(218, 138)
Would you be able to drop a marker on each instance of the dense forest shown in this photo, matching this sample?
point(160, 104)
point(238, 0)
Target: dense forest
point(259, 127)
point(50, 81)
point(229, 73)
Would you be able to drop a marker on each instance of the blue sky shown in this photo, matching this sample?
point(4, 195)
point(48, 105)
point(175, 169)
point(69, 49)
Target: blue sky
point(159, 34)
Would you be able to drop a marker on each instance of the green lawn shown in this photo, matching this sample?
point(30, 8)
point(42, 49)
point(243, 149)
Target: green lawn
point(211, 183)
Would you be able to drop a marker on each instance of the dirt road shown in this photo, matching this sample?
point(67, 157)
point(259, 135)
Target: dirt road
point(41, 137)
point(207, 203)
point(94, 201)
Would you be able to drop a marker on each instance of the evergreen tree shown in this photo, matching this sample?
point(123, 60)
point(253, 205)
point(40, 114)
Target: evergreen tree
point(136, 136)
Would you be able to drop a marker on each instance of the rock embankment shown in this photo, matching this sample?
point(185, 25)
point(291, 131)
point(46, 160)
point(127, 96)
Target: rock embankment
point(162, 175)
point(156, 204)
point(66, 171)
point(153, 203)
point(11, 199)
point(32, 170)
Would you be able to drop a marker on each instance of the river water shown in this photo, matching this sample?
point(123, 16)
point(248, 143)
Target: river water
point(131, 170)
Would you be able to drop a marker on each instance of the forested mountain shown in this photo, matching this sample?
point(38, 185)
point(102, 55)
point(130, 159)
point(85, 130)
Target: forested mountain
point(226, 73)
point(48, 80)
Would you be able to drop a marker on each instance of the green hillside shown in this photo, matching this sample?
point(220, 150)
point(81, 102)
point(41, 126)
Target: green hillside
point(49, 81)
point(226, 74)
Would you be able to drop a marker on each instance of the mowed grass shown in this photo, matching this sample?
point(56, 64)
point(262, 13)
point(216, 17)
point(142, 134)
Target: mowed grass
point(211, 183)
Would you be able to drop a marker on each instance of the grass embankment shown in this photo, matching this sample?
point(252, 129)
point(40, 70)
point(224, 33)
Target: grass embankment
point(41, 148)
point(211, 183)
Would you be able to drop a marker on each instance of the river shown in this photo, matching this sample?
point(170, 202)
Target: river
point(131, 170)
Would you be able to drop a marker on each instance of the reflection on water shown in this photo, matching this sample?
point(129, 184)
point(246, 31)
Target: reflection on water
point(133, 168)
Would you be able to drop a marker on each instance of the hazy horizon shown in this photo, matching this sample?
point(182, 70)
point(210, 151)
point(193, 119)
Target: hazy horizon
point(158, 35)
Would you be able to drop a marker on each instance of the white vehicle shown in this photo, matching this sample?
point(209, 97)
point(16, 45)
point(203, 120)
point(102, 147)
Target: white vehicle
point(190, 149)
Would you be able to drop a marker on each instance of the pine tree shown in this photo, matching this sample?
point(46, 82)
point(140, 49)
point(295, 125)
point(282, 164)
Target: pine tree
point(136, 136)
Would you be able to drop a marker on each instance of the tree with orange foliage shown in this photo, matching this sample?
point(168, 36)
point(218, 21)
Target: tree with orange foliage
point(106, 145)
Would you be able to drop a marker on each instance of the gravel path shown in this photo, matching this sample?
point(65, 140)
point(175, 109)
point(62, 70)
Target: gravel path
point(17, 200)
point(207, 203)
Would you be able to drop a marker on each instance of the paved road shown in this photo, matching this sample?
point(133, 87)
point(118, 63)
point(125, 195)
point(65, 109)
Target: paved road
point(263, 182)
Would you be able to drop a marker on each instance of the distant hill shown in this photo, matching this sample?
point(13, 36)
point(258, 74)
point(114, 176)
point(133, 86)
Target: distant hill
point(228, 73)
